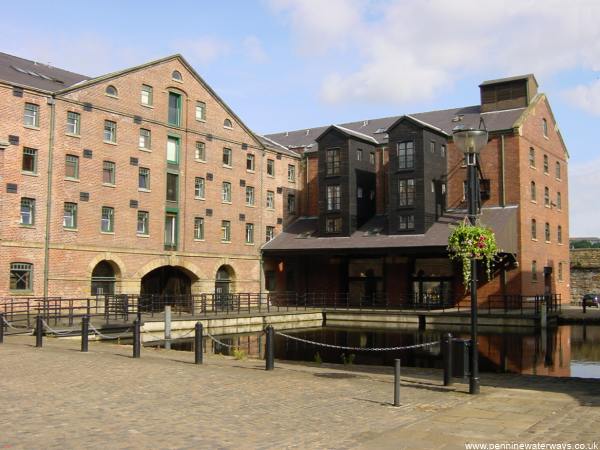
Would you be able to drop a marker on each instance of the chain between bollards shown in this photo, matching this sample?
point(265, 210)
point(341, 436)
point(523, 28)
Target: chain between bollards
point(396, 382)
point(136, 338)
point(85, 330)
point(39, 331)
point(198, 338)
point(270, 348)
point(447, 355)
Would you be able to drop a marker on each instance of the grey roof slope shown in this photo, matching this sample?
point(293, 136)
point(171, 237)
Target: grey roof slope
point(272, 145)
point(298, 236)
point(23, 72)
point(442, 119)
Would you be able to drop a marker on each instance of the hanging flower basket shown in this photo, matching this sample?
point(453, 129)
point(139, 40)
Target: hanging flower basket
point(468, 242)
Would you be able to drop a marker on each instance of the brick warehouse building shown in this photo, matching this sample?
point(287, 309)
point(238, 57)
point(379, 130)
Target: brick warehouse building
point(380, 196)
point(186, 207)
point(142, 180)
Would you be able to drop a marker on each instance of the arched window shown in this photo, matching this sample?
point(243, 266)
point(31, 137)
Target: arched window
point(533, 229)
point(559, 234)
point(547, 232)
point(531, 157)
point(103, 278)
point(533, 192)
point(545, 127)
point(547, 196)
point(227, 123)
point(112, 91)
point(557, 174)
point(558, 200)
point(176, 75)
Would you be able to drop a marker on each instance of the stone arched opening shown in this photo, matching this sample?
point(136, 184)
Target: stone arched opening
point(167, 285)
point(105, 276)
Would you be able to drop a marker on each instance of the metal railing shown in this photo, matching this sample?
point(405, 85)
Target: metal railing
point(123, 307)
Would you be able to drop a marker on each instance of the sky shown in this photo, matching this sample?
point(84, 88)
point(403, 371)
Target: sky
point(292, 64)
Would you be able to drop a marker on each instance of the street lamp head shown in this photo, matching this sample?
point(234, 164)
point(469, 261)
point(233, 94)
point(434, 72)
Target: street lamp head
point(469, 140)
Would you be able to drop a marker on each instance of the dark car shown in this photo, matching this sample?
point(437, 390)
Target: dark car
point(591, 300)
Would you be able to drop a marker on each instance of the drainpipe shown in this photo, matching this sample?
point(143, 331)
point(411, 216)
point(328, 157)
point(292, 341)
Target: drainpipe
point(502, 173)
point(52, 103)
point(262, 231)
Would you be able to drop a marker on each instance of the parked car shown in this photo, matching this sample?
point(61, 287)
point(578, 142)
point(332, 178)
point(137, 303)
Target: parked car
point(591, 300)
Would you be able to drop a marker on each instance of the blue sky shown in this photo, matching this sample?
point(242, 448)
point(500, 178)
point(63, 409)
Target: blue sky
point(290, 64)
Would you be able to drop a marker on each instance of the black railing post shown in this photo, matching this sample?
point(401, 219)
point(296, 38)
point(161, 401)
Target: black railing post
point(270, 350)
point(39, 331)
point(447, 354)
point(198, 344)
point(1, 328)
point(85, 328)
point(396, 382)
point(136, 338)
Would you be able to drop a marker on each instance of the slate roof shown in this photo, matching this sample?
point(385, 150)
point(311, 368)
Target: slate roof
point(23, 72)
point(445, 120)
point(272, 145)
point(299, 235)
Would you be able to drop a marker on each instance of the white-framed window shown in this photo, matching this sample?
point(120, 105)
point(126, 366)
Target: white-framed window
point(271, 167)
point(545, 127)
point(546, 164)
point(199, 228)
point(270, 200)
point(110, 131)
point(547, 196)
point(250, 162)
point(73, 123)
point(145, 141)
point(291, 173)
point(200, 111)
point(107, 221)
point(111, 91)
point(227, 157)
point(227, 123)
point(70, 215)
point(176, 75)
point(29, 163)
point(269, 233)
point(143, 223)
point(226, 192)
point(144, 178)
point(200, 151)
point(249, 233)
point(146, 95)
point(199, 187)
point(173, 149)
point(557, 170)
point(31, 116)
point(249, 195)
point(21, 276)
point(406, 155)
point(108, 172)
point(359, 154)
point(27, 211)
point(225, 231)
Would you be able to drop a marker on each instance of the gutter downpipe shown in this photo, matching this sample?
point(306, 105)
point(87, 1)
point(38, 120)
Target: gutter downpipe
point(52, 102)
point(502, 172)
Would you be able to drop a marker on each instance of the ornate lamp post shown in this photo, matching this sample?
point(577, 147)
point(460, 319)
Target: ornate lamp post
point(471, 141)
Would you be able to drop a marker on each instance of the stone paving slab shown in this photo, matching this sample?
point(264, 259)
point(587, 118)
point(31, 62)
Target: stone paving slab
point(57, 397)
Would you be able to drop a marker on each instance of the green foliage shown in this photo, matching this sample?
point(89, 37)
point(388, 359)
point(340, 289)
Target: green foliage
point(472, 241)
point(348, 360)
point(238, 353)
point(318, 359)
point(584, 244)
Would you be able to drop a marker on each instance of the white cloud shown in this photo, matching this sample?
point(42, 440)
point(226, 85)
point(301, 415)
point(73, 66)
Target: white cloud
point(412, 50)
point(203, 49)
point(254, 50)
point(586, 97)
point(584, 185)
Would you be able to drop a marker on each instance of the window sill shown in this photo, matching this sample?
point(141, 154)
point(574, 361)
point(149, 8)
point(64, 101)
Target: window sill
point(534, 202)
point(548, 242)
point(24, 225)
point(144, 149)
point(74, 180)
point(70, 229)
point(198, 240)
point(147, 106)
point(110, 185)
point(270, 209)
point(200, 120)
point(108, 232)
point(270, 176)
point(547, 174)
point(144, 190)
point(18, 292)
point(557, 179)
point(291, 181)
point(250, 171)
point(31, 127)
point(225, 242)
point(226, 166)
point(29, 174)
point(73, 135)
point(111, 96)
point(532, 167)
point(203, 161)
point(250, 206)
point(202, 199)
point(145, 236)
point(227, 128)
point(226, 203)
point(250, 244)
point(534, 239)
point(110, 142)
point(547, 206)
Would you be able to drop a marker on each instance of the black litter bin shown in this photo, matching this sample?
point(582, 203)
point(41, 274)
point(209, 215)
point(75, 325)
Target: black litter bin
point(460, 358)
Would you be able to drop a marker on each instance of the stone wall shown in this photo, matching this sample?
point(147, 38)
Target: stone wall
point(585, 272)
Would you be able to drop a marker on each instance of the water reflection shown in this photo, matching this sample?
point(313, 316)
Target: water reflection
point(563, 351)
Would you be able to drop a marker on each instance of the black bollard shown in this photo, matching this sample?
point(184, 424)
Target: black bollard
point(85, 331)
point(198, 344)
point(447, 354)
point(39, 331)
point(136, 338)
point(2, 328)
point(270, 350)
point(396, 382)
point(583, 304)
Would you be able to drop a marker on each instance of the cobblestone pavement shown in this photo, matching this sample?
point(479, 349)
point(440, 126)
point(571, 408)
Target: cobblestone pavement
point(57, 397)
